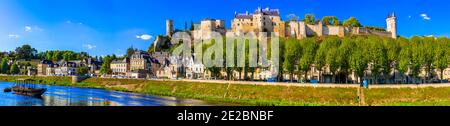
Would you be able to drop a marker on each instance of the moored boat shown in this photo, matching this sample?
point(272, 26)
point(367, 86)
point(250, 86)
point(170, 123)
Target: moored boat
point(7, 90)
point(27, 87)
point(28, 91)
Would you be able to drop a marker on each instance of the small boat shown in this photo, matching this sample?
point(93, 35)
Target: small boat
point(7, 90)
point(28, 88)
point(35, 92)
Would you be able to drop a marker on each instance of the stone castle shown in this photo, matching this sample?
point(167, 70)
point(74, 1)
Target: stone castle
point(269, 20)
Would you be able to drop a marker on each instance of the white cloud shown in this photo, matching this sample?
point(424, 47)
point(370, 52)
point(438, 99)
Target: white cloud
point(28, 29)
point(425, 16)
point(34, 28)
point(69, 22)
point(13, 36)
point(144, 37)
point(89, 46)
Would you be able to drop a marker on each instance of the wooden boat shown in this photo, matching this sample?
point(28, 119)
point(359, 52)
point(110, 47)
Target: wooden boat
point(7, 90)
point(28, 88)
point(35, 92)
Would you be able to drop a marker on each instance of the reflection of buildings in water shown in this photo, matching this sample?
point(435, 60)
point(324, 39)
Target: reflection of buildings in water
point(72, 98)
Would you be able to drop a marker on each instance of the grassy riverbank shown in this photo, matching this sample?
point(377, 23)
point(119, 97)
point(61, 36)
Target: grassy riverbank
point(263, 95)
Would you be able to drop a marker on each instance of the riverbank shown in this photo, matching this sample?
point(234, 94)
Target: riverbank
point(264, 95)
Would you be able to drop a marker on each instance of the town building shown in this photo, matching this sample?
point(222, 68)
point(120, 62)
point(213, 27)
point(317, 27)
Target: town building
point(140, 60)
point(120, 67)
point(66, 68)
point(140, 63)
point(42, 67)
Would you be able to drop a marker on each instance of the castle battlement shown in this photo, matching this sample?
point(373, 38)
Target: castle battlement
point(269, 20)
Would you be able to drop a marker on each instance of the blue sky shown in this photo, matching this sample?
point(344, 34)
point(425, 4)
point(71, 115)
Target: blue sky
point(102, 27)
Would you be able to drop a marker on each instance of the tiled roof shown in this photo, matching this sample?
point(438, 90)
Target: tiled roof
point(267, 11)
point(244, 16)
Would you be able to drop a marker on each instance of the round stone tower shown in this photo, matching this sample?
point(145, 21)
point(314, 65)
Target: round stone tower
point(391, 22)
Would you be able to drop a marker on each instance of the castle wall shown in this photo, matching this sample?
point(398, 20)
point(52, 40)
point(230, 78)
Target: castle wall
point(220, 23)
point(243, 25)
point(312, 30)
point(280, 28)
point(294, 29)
point(334, 30)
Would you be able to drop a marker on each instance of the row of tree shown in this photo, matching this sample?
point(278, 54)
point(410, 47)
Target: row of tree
point(352, 54)
point(329, 20)
point(361, 53)
point(57, 55)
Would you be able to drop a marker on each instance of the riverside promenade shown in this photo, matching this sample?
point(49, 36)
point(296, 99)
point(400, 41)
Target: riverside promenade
point(325, 85)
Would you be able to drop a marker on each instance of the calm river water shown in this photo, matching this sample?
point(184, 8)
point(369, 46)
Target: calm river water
point(72, 96)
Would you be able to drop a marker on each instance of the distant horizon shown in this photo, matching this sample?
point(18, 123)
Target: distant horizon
point(104, 28)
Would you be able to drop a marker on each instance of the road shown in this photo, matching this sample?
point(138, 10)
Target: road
point(330, 85)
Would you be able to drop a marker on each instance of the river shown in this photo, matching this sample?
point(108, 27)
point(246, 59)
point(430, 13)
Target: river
point(73, 96)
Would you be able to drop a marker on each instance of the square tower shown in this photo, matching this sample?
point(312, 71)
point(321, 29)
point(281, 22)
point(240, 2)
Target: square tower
point(169, 28)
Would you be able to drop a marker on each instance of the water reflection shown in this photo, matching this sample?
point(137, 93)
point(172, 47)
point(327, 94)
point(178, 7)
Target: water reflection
point(71, 96)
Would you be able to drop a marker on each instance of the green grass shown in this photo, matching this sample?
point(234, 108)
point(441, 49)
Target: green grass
point(408, 96)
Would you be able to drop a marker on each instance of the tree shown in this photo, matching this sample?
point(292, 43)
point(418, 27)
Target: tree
point(405, 60)
point(358, 63)
point(326, 20)
point(377, 57)
point(321, 56)
point(4, 68)
point(309, 51)
point(309, 19)
point(392, 51)
point(25, 52)
point(185, 26)
point(57, 56)
point(82, 70)
point(441, 53)
point(332, 62)
point(67, 55)
point(106, 66)
point(322, 52)
point(335, 21)
point(352, 22)
point(14, 69)
point(192, 26)
point(427, 54)
point(292, 53)
point(49, 55)
point(114, 57)
point(342, 55)
point(130, 51)
point(416, 56)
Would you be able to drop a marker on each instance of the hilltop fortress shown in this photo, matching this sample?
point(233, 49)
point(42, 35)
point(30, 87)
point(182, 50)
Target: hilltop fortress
point(269, 20)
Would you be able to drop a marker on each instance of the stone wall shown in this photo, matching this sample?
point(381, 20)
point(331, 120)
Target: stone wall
point(314, 30)
point(334, 30)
